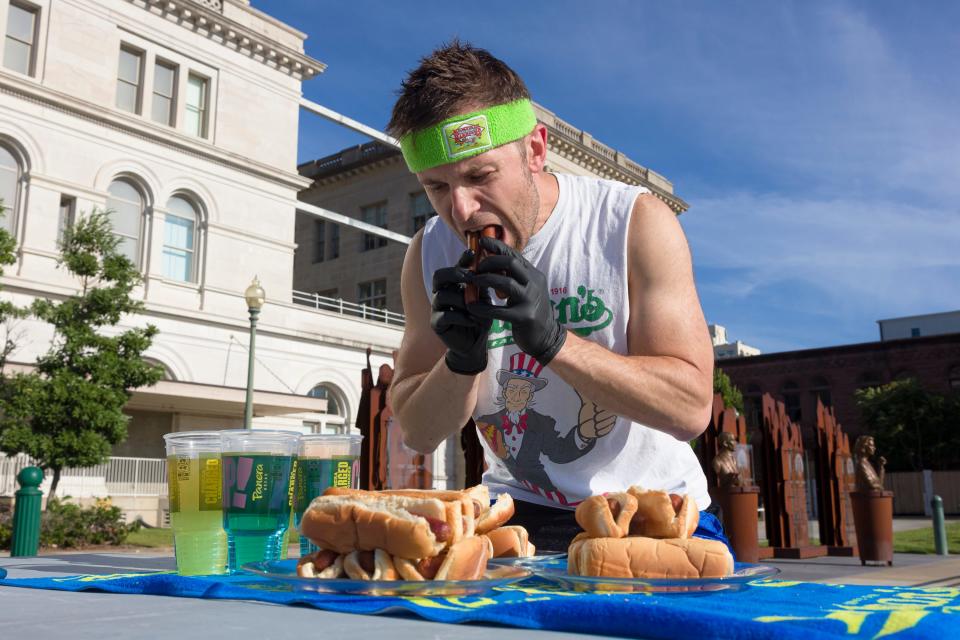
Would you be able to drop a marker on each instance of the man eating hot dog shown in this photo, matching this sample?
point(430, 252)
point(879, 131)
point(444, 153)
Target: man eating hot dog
point(595, 370)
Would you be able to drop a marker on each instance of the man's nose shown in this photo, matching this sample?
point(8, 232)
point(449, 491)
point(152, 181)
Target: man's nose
point(463, 204)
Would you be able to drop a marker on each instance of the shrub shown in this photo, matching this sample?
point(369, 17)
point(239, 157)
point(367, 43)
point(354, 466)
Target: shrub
point(64, 525)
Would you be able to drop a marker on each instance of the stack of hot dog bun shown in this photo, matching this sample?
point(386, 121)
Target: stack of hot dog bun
point(644, 534)
point(402, 534)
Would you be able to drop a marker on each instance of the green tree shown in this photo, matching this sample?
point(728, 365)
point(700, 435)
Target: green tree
point(69, 411)
point(728, 391)
point(913, 428)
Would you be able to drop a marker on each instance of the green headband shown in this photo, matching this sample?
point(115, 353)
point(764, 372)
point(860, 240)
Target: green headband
point(467, 135)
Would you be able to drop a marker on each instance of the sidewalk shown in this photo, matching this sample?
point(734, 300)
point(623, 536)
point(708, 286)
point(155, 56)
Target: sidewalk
point(908, 570)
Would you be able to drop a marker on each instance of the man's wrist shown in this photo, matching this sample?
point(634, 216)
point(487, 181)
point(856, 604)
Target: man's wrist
point(551, 352)
point(465, 366)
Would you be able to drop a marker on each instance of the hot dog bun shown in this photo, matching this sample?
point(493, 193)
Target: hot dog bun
point(496, 515)
point(399, 525)
point(511, 542)
point(459, 507)
point(379, 565)
point(465, 560)
point(640, 557)
point(658, 517)
point(606, 516)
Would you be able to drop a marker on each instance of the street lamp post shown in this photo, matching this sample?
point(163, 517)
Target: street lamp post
point(255, 297)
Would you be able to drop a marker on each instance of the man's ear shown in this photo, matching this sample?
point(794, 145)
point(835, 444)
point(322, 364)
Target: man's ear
point(536, 148)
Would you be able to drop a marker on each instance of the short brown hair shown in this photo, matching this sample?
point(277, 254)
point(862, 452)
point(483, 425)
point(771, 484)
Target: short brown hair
point(454, 76)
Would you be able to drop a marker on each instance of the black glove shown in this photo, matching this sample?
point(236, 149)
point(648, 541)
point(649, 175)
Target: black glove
point(464, 335)
point(528, 310)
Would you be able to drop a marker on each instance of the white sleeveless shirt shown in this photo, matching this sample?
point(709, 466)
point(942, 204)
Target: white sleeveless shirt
point(527, 417)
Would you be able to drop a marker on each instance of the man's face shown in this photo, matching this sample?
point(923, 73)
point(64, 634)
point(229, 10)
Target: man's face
point(869, 447)
point(517, 394)
point(495, 187)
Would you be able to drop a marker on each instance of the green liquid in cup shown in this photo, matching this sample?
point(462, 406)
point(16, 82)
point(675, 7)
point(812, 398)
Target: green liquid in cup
point(257, 500)
point(196, 514)
point(314, 475)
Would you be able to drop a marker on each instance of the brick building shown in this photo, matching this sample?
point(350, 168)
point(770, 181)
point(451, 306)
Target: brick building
point(835, 373)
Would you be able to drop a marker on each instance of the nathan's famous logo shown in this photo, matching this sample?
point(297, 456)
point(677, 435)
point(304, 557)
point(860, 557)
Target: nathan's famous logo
point(471, 134)
point(583, 314)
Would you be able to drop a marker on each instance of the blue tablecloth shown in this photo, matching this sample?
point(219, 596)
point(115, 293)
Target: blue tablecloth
point(764, 609)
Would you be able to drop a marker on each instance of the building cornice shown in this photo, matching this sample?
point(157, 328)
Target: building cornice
point(205, 18)
point(560, 143)
point(30, 91)
point(563, 139)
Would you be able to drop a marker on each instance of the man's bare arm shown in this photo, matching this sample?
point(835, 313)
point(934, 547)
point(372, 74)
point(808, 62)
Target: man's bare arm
point(431, 402)
point(666, 381)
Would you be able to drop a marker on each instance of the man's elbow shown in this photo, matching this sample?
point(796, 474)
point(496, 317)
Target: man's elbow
point(694, 420)
point(416, 441)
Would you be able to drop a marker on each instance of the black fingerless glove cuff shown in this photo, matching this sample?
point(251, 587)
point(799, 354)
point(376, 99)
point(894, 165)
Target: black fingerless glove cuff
point(465, 365)
point(555, 345)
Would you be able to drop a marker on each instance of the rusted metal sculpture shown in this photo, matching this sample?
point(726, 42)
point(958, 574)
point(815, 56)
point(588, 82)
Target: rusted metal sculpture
point(385, 463)
point(835, 481)
point(784, 487)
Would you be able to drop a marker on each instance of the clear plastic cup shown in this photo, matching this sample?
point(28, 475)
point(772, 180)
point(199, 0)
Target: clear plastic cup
point(258, 475)
point(324, 461)
point(196, 511)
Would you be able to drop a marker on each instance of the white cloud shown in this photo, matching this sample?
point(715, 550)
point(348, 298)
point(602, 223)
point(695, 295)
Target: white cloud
point(866, 257)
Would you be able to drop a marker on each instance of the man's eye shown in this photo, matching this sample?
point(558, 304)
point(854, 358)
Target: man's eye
point(480, 178)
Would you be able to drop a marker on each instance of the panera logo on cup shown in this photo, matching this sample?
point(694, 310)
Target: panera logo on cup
point(258, 489)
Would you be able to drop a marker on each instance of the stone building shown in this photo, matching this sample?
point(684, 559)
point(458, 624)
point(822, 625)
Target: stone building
point(371, 183)
point(181, 117)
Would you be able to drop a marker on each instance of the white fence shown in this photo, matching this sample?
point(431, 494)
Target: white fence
point(119, 477)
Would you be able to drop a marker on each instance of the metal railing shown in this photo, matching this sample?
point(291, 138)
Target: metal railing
point(343, 307)
point(119, 476)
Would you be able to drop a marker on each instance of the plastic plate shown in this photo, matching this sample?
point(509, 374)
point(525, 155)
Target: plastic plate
point(741, 577)
point(286, 571)
point(530, 562)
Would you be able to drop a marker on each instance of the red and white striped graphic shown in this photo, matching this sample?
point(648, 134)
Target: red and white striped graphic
point(523, 365)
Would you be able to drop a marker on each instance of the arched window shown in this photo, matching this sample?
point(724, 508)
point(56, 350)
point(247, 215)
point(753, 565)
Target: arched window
point(791, 400)
point(180, 240)
point(335, 418)
point(9, 187)
point(820, 388)
point(125, 209)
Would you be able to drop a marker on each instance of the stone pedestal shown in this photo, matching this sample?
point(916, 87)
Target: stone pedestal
point(873, 519)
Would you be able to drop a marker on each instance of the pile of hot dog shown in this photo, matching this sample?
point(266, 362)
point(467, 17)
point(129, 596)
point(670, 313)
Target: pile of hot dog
point(408, 534)
point(450, 535)
point(644, 534)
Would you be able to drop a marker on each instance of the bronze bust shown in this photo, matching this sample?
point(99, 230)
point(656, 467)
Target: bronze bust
point(867, 477)
point(725, 463)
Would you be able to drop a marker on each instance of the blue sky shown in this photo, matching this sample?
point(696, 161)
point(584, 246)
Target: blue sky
point(817, 143)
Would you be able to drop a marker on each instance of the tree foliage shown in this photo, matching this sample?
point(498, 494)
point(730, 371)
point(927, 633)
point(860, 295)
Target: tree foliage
point(69, 411)
point(914, 428)
point(732, 397)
